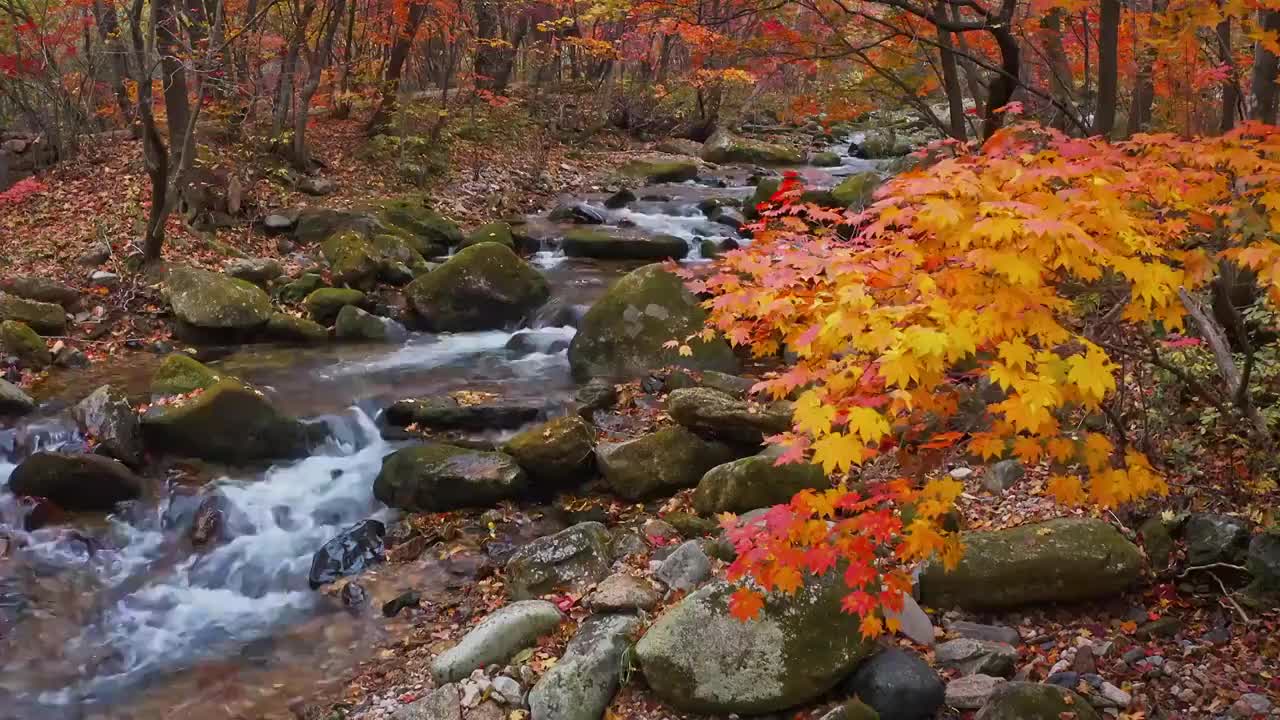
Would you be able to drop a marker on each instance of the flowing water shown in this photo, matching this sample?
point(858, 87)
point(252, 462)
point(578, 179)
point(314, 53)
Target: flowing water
point(119, 617)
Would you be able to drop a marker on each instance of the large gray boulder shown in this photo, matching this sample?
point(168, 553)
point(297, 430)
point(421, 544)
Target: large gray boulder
point(1034, 701)
point(573, 559)
point(13, 401)
point(436, 477)
point(723, 147)
point(1216, 539)
point(495, 639)
point(1063, 560)
point(623, 334)
point(45, 318)
point(557, 453)
point(482, 287)
point(41, 289)
point(701, 659)
point(619, 244)
point(356, 325)
point(107, 417)
point(75, 481)
point(228, 422)
point(582, 684)
point(899, 685)
point(214, 301)
point(755, 482)
point(715, 414)
point(660, 462)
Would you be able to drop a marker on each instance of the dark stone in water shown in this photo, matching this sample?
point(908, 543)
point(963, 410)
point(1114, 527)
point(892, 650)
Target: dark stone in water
point(448, 413)
point(354, 596)
point(392, 607)
point(207, 526)
point(578, 212)
point(39, 513)
point(620, 199)
point(356, 548)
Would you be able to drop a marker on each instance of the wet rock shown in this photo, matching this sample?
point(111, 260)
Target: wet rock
point(582, 684)
point(258, 271)
point(449, 413)
point(209, 523)
point(1002, 476)
point(664, 461)
point(75, 481)
point(754, 482)
point(977, 657)
point(298, 290)
point(436, 478)
point(714, 414)
point(22, 342)
point(354, 596)
point(537, 341)
point(354, 324)
point(286, 328)
point(856, 191)
point(213, 301)
point(44, 318)
point(594, 396)
point(1034, 701)
point(972, 691)
point(898, 684)
point(404, 600)
point(825, 159)
point(1263, 562)
point(990, 633)
point(701, 659)
point(1061, 560)
point(623, 334)
point(482, 287)
point(411, 215)
point(13, 401)
point(324, 304)
point(577, 212)
point(107, 417)
point(1164, 627)
point(622, 593)
point(570, 560)
point(496, 638)
point(614, 244)
point(180, 374)
point(499, 232)
point(352, 261)
point(316, 186)
point(685, 568)
point(654, 172)
point(557, 453)
point(443, 703)
point(229, 422)
point(722, 147)
point(620, 199)
point(41, 289)
point(353, 550)
point(69, 357)
point(727, 216)
point(1216, 539)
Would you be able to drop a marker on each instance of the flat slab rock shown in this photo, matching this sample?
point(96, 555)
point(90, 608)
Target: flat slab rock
point(499, 636)
point(448, 413)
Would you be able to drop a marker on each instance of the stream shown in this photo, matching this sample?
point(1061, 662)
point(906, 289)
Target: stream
point(119, 617)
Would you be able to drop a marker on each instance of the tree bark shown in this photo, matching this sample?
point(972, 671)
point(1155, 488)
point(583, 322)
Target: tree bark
point(289, 66)
point(173, 73)
point(342, 110)
point(316, 62)
point(391, 80)
point(951, 78)
point(1002, 87)
point(104, 15)
point(1104, 121)
point(1060, 79)
point(1230, 90)
point(1265, 65)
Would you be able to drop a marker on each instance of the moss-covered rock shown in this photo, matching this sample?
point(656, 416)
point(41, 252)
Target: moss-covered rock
point(483, 287)
point(691, 525)
point(325, 304)
point(315, 224)
point(259, 271)
point(75, 481)
point(214, 301)
point(228, 422)
point(13, 401)
point(180, 374)
point(701, 659)
point(557, 453)
point(623, 334)
point(660, 462)
point(45, 318)
point(352, 260)
point(1034, 701)
point(437, 478)
point(765, 189)
point(825, 158)
point(884, 143)
point(354, 324)
point(298, 290)
point(856, 191)
point(615, 244)
point(19, 340)
point(571, 560)
point(723, 147)
point(393, 251)
point(411, 213)
point(754, 482)
point(716, 414)
point(41, 289)
point(1063, 560)
point(661, 171)
point(286, 328)
point(498, 232)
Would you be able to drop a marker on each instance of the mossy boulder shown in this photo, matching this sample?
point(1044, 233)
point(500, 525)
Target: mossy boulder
point(723, 147)
point(1063, 560)
point(41, 289)
point(482, 287)
point(1035, 701)
point(825, 158)
point(228, 422)
point(213, 301)
point(354, 324)
point(661, 171)
point(765, 189)
point(572, 560)
point(660, 462)
point(701, 659)
point(437, 478)
point(43, 317)
point(410, 213)
point(316, 224)
point(615, 244)
point(297, 290)
point(498, 232)
point(286, 328)
point(856, 191)
point(325, 304)
point(755, 482)
point(557, 453)
point(352, 260)
point(393, 251)
point(19, 340)
point(180, 374)
point(75, 481)
point(624, 333)
point(715, 414)
point(13, 401)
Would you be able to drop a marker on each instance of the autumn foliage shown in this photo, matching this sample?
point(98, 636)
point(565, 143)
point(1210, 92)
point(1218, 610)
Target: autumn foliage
point(962, 283)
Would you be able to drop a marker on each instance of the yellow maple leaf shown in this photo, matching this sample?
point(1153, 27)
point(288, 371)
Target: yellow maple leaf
point(1091, 373)
point(838, 452)
point(868, 423)
point(899, 368)
point(1066, 489)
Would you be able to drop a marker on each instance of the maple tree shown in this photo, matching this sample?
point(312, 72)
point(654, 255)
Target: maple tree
point(966, 275)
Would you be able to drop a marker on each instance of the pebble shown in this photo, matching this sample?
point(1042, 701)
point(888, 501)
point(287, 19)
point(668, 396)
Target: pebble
point(1115, 695)
point(972, 691)
point(961, 473)
point(1251, 704)
point(508, 690)
point(1133, 655)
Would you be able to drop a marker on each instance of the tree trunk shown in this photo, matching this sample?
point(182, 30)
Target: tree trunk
point(284, 88)
point(951, 78)
point(1230, 90)
point(315, 66)
point(1002, 87)
point(1060, 79)
point(173, 80)
point(104, 15)
point(1104, 121)
point(391, 80)
point(342, 110)
point(1264, 71)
